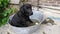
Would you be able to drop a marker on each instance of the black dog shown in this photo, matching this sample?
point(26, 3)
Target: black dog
point(22, 16)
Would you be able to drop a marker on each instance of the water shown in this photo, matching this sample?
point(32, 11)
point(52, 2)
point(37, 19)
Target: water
point(35, 22)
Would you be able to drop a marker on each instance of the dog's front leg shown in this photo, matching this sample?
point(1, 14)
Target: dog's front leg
point(30, 21)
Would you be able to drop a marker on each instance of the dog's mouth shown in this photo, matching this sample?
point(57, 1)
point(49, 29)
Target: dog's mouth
point(30, 14)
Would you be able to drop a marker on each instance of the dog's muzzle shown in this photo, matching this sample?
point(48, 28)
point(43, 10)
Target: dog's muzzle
point(32, 13)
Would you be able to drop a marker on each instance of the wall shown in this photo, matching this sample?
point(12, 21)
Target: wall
point(54, 4)
point(46, 2)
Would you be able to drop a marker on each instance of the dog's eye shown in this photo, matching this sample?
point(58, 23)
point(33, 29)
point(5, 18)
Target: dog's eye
point(28, 7)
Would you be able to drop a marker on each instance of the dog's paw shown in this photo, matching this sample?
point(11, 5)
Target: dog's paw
point(49, 20)
point(31, 21)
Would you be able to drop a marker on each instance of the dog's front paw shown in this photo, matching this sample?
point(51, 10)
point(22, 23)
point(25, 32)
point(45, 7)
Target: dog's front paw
point(31, 21)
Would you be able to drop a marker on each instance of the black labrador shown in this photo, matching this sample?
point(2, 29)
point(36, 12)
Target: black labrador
point(22, 16)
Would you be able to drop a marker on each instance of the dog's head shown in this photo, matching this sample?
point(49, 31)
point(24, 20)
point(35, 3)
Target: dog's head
point(26, 10)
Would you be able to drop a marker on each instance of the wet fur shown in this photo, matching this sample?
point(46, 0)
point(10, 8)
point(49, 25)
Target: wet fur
point(22, 16)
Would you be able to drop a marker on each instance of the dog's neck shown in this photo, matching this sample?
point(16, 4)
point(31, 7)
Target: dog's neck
point(23, 15)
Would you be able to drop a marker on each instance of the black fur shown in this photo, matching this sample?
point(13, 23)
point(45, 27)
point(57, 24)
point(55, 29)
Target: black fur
point(22, 16)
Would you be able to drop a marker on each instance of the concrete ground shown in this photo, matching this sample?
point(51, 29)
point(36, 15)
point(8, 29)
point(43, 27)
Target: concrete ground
point(44, 28)
point(48, 28)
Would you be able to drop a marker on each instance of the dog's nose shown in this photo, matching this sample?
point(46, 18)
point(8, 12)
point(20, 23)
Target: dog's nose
point(32, 13)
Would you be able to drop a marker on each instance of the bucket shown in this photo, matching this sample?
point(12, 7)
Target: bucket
point(38, 15)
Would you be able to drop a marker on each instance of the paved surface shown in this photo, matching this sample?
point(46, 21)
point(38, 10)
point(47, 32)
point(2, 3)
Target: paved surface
point(44, 28)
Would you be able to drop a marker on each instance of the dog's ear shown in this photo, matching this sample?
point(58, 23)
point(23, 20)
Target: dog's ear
point(22, 10)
